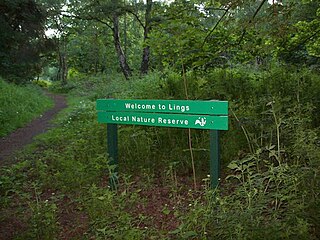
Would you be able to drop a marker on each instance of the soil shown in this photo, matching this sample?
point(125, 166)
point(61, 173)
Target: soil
point(24, 136)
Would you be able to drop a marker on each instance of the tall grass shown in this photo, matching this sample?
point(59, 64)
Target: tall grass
point(19, 105)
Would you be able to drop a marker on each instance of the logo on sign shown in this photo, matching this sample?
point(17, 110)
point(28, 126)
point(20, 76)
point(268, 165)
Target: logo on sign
point(201, 121)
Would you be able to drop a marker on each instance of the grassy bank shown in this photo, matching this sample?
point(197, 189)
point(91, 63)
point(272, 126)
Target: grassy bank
point(19, 105)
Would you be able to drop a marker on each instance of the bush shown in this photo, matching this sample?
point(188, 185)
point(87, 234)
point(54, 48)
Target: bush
point(42, 83)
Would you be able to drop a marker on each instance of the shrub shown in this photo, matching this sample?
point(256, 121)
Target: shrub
point(42, 83)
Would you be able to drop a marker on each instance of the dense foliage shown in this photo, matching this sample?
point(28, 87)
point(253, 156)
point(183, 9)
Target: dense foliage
point(262, 56)
point(113, 35)
point(270, 164)
point(22, 40)
point(136, 36)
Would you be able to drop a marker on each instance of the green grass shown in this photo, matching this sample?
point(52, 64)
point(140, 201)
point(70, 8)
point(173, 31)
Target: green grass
point(19, 105)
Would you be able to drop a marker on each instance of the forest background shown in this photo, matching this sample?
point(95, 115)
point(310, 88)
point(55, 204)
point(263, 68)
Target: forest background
point(261, 56)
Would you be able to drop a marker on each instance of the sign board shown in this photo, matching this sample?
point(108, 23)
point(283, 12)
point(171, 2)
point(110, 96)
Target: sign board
point(165, 113)
point(212, 115)
point(164, 106)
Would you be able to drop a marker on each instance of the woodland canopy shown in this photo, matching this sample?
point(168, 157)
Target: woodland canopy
point(136, 37)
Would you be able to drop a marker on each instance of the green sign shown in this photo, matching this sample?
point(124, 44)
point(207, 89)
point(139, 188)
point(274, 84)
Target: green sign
point(164, 106)
point(165, 113)
point(211, 115)
point(165, 120)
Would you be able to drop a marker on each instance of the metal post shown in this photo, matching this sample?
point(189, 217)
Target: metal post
point(214, 158)
point(112, 144)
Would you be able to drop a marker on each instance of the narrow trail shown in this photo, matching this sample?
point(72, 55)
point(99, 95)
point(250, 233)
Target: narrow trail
point(24, 136)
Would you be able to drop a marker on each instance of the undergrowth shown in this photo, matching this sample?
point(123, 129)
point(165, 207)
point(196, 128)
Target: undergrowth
point(270, 163)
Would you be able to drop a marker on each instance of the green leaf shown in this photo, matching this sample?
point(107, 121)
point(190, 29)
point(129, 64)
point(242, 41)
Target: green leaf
point(233, 165)
point(166, 211)
point(189, 234)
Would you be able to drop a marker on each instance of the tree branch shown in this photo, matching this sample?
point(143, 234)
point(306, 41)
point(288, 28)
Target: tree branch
point(136, 16)
point(307, 39)
point(100, 21)
point(88, 18)
point(254, 15)
point(310, 37)
point(215, 26)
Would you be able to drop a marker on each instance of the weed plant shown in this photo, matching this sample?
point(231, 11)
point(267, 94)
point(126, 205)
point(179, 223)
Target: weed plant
point(274, 178)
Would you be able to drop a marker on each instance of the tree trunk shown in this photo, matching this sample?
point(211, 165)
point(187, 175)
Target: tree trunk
point(63, 67)
point(144, 68)
point(121, 56)
point(62, 60)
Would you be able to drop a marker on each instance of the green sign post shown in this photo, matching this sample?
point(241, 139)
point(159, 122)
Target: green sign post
point(212, 115)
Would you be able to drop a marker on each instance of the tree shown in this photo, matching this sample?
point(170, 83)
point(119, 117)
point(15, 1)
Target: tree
point(146, 25)
point(61, 26)
point(110, 13)
point(116, 37)
point(86, 49)
point(178, 37)
point(107, 13)
point(301, 44)
point(205, 34)
point(22, 39)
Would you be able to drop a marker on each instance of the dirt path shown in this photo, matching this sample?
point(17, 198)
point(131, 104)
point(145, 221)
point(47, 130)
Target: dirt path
point(23, 136)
